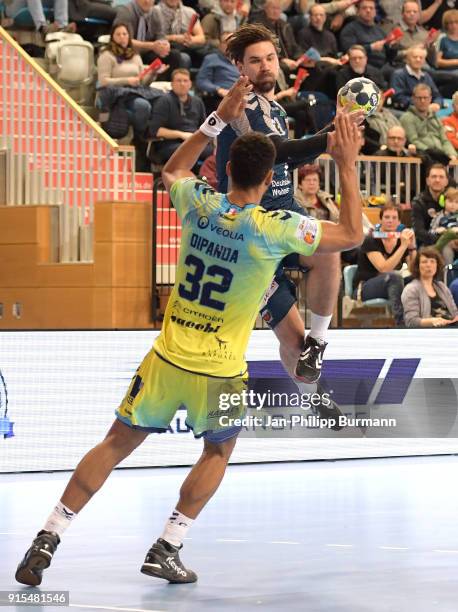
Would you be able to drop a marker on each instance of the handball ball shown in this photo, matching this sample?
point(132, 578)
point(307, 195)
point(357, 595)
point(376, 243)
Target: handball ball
point(360, 93)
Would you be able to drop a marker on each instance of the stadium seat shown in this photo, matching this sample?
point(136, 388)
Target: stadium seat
point(23, 18)
point(349, 302)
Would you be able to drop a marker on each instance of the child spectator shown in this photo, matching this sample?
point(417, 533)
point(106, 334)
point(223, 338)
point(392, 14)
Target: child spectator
point(444, 227)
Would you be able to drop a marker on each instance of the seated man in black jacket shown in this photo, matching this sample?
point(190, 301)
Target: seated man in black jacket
point(177, 115)
point(426, 204)
point(358, 67)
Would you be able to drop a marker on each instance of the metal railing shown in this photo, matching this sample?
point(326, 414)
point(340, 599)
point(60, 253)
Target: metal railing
point(396, 177)
point(56, 153)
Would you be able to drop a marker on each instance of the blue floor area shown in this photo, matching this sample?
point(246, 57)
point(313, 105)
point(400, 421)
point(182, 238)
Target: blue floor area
point(347, 536)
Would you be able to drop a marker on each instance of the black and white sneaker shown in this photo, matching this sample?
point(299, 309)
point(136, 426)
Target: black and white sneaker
point(308, 367)
point(37, 558)
point(162, 561)
point(328, 409)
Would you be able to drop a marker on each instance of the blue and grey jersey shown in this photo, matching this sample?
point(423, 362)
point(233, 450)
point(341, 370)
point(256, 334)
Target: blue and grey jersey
point(269, 118)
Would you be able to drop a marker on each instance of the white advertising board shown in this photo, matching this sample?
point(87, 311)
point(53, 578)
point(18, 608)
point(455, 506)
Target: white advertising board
point(62, 389)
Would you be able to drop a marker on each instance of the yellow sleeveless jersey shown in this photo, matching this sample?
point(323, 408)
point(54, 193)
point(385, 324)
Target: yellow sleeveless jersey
point(227, 261)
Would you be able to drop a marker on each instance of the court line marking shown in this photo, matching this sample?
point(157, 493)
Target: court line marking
point(393, 548)
point(445, 551)
point(340, 545)
point(114, 608)
point(227, 540)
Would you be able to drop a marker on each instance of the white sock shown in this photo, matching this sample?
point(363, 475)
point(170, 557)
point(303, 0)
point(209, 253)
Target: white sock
point(319, 326)
point(59, 519)
point(176, 528)
point(306, 388)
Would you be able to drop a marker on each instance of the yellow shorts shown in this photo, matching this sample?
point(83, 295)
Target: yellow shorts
point(158, 389)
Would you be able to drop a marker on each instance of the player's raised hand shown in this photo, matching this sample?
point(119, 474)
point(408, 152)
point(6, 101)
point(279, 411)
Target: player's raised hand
point(233, 103)
point(356, 116)
point(345, 142)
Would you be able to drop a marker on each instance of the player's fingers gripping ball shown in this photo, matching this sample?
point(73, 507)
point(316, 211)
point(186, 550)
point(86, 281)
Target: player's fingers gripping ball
point(360, 94)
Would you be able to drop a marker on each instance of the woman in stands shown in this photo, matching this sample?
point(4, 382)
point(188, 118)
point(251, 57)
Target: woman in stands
point(427, 301)
point(447, 54)
point(312, 198)
point(120, 66)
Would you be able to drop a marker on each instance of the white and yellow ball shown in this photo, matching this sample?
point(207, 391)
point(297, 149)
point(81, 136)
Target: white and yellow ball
point(360, 93)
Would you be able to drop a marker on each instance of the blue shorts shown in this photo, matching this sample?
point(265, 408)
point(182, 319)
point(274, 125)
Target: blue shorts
point(281, 295)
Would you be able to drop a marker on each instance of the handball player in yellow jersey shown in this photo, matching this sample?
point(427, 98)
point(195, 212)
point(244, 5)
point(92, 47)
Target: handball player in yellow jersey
point(230, 250)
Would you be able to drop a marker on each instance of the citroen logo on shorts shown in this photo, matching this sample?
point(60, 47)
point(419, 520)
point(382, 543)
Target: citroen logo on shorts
point(203, 222)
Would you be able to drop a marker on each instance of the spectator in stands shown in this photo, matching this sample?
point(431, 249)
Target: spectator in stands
point(366, 32)
point(433, 12)
point(396, 144)
point(302, 110)
point(425, 130)
point(177, 115)
point(120, 66)
point(380, 260)
point(148, 37)
point(444, 227)
point(222, 19)
point(358, 67)
point(336, 11)
point(216, 75)
point(38, 16)
point(317, 36)
point(393, 13)
point(454, 290)
point(395, 147)
point(450, 123)
point(289, 49)
point(316, 202)
point(242, 8)
point(427, 301)
point(426, 204)
point(403, 80)
point(79, 10)
point(447, 54)
point(176, 19)
point(414, 34)
point(377, 126)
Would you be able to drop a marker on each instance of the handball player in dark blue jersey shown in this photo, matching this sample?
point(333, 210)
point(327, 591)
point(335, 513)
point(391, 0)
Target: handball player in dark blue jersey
point(254, 50)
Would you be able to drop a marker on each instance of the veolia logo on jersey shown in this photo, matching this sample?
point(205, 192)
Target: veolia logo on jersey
point(203, 222)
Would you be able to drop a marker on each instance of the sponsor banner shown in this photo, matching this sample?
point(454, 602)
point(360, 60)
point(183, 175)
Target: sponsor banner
point(59, 390)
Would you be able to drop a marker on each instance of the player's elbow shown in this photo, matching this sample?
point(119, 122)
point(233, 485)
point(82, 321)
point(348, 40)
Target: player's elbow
point(354, 238)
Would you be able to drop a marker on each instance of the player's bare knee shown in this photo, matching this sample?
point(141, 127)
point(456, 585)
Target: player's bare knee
point(222, 451)
point(328, 263)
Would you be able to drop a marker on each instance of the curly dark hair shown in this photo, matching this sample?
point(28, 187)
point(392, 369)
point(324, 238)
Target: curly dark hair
point(429, 253)
point(246, 35)
point(252, 156)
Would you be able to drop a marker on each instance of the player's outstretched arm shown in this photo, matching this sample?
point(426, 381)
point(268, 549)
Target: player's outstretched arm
point(296, 152)
point(343, 145)
point(187, 154)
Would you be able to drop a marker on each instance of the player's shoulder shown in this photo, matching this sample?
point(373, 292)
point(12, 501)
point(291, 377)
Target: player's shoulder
point(278, 217)
point(194, 189)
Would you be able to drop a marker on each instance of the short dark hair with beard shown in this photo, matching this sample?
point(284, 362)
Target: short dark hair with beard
point(252, 156)
point(246, 35)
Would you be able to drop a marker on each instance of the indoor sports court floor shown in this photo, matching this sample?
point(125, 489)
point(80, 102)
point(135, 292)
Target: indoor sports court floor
point(346, 536)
